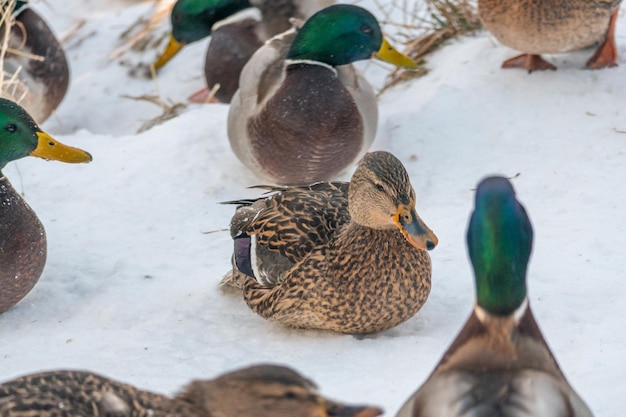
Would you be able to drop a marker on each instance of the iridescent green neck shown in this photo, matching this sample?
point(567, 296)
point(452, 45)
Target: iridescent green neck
point(192, 20)
point(499, 240)
point(338, 35)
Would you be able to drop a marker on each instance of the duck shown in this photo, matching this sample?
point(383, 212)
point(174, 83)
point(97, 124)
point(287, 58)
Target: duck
point(552, 27)
point(22, 236)
point(265, 390)
point(236, 33)
point(302, 114)
point(346, 257)
point(36, 58)
point(499, 363)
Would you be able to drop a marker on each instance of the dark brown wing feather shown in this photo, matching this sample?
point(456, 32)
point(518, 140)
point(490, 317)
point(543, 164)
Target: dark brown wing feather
point(294, 220)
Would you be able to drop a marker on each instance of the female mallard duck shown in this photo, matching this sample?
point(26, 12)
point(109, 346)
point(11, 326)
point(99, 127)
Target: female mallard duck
point(22, 236)
point(348, 257)
point(37, 57)
point(302, 114)
point(499, 363)
point(233, 40)
point(262, 390)
point(552, 27)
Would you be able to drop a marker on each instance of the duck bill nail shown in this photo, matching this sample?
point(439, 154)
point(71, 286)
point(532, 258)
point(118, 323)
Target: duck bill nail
point(337, 410)
point(414, 229)
point(171, 49)
point(51, 149)
point(391, 55)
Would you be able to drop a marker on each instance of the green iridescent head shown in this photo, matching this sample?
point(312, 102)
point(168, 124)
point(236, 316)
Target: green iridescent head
point(499, 239)
point(342, 34)
point(20, 136)
point(192, 20)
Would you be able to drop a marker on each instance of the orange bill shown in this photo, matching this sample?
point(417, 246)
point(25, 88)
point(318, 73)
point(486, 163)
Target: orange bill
point(413, 228)
point(172, 48)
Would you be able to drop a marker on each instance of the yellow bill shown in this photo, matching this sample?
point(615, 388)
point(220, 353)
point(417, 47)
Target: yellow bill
point(171, 49)
point(390, 54)
point(49, 148)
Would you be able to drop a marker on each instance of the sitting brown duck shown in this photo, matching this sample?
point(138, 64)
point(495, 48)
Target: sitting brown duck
point(261, 391)
point(348, 257)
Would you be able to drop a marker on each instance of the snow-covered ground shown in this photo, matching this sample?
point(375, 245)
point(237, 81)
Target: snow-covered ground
point(130, 286)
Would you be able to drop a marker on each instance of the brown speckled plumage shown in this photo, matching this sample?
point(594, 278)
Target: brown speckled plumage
point(22, 246)
point(345, 264)
point(548, 26)
point(262, 390)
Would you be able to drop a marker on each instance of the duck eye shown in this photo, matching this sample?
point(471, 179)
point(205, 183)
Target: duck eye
point(290, 394)
point(379, 187)
point(367, 29)
point(11, 127)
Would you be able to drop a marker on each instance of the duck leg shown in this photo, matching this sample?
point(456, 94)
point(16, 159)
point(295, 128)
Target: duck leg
point(203, 96)
point(531, 62)
point(606, 54)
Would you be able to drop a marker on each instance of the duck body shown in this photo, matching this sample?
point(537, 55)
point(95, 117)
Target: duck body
point(302, 113)
point(302, 122)
point(261, 390)
point(553, 26)
point(301, 258)
point(46, 80)
point(23, 247)
point(237, 28)
point(499, 364)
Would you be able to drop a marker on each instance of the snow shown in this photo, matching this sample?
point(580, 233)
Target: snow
point(137, 241)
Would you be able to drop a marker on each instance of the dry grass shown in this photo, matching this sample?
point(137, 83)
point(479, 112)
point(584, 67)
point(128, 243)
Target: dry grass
point(142, 34)
point(11, 86)
point(425, 26)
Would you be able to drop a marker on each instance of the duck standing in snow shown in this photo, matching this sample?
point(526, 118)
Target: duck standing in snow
point(261, 390)
point(499, 364)
point(37, 57)
point(22, 237)
point(234, 36)
point(347, 257)
point(552, 27)
point(302, 113)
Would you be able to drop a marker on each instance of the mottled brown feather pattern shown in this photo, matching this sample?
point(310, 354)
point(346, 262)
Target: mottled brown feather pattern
point(295, 220)
point(78, 393)
point(548, 26)
point(305, 137)
point(260, 390)
point(345, 276)
point(379, 283)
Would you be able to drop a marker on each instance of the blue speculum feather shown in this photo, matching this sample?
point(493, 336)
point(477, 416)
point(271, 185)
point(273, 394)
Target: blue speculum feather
point(242, 255)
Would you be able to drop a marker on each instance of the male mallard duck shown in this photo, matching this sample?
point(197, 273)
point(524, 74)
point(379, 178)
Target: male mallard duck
point(348, 257)
point(301, 113)
point(262, 390)
point(499, 364)
point(233, 40)
point(33, 47)
point(22, 236)
point(552, 27)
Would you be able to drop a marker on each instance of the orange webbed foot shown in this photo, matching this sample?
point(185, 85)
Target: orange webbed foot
point(606, 54)
point(529, 62)
point(203, 96)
